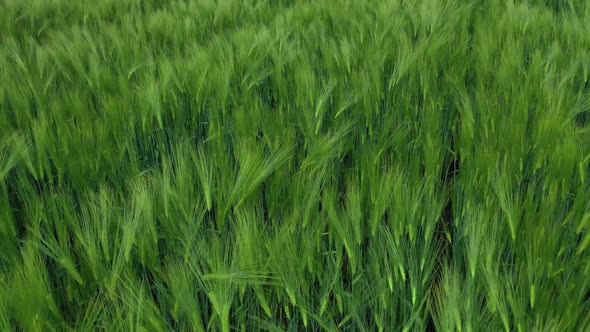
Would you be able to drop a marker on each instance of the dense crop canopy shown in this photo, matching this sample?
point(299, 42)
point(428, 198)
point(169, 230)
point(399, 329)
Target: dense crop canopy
point(376, 165)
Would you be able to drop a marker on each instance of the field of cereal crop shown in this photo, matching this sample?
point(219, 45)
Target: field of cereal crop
point(283, 165)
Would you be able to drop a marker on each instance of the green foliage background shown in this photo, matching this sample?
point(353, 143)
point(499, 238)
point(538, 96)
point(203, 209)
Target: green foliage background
point(375, 165)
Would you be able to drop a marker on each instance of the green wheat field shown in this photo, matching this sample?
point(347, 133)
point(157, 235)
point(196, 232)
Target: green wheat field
point(295, 165)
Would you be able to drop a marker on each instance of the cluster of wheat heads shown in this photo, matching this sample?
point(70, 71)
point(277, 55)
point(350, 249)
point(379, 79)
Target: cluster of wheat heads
point(283, 165)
